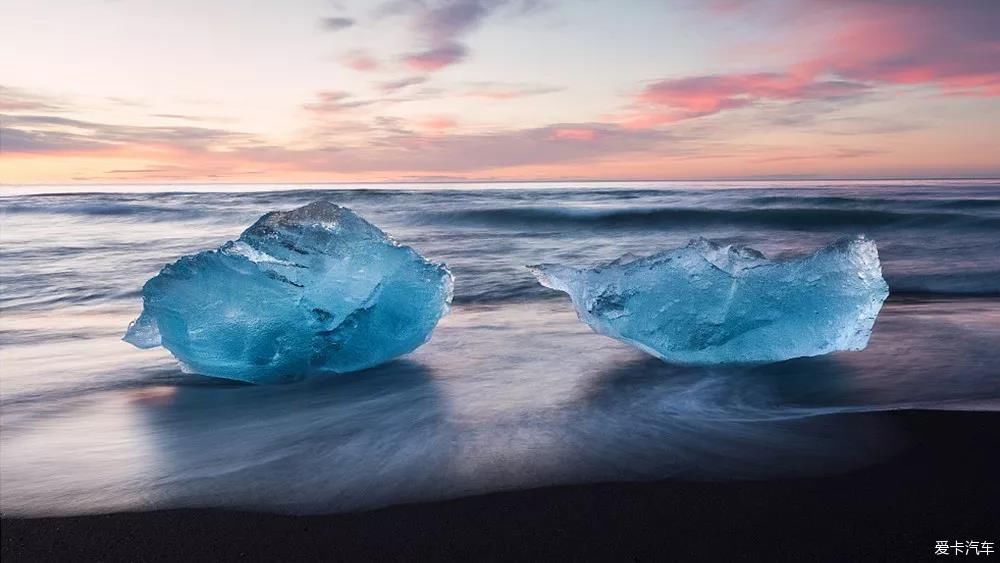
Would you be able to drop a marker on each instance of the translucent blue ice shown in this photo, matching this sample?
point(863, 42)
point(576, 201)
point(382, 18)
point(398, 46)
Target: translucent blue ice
point(711, 304)
point(315, 290)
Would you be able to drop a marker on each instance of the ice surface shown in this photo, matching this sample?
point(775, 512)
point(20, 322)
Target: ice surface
point(708, 304)
point(315, 290)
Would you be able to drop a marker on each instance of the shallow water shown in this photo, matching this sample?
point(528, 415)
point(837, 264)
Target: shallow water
point(512, 391)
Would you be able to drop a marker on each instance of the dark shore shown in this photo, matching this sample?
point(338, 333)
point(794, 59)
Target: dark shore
point(943, 484)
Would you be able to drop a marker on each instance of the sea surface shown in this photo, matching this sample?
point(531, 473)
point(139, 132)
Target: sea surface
point(512, 391)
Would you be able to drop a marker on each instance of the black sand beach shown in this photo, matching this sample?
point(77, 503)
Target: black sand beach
point(942, 485)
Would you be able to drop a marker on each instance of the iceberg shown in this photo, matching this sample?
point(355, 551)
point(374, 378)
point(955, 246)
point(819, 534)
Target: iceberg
point(707, 303)
point(312, 291)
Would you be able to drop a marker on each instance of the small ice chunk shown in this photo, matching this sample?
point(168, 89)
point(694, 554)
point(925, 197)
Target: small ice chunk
point(315, 290)
point(710, 304)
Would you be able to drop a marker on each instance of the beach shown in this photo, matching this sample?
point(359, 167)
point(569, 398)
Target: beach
point(941, 485)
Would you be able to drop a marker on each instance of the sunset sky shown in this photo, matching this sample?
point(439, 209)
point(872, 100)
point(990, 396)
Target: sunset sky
point(407, 90)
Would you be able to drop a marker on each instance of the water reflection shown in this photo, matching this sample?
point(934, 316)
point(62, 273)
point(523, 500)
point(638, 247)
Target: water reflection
point(336, 440)
point(516, 396)
point(393, 434)
point(656, 420)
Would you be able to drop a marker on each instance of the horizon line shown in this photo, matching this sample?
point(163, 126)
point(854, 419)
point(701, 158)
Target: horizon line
point(513, 181)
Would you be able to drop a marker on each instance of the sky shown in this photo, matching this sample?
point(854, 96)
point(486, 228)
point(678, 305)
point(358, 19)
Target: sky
point(136, 91)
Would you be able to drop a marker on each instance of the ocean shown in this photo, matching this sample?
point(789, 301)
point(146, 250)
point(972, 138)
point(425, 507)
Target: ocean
point(512, 391)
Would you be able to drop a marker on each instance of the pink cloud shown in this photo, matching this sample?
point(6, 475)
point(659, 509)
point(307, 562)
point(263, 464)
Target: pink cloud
point(436, 58)
point(671, 100)
point(601, 151)
point(360, 61)
point(954, 46)
point(710, 94)
point(438, 123)
point(574, 134)
point(645, 120)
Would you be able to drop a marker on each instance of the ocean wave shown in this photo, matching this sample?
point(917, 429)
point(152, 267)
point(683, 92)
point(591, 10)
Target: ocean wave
point(107, 209)
point(517, 290)
point(53, 297)
point(800, 218)
point(848, 202)
point(961, 283)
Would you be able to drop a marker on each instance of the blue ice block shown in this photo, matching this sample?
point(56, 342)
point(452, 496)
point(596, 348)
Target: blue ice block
point(315, 290)
point(707, 303)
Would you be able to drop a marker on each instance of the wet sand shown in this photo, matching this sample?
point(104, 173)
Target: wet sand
point(941, 485)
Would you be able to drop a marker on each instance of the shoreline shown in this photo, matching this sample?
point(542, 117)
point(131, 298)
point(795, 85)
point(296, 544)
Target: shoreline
point(941, 485)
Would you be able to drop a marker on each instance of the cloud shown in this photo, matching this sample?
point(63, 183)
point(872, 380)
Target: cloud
point(575, 134)
point(436, 58)
point(952, 45)
point(844, 51)
point(388, 147)
point(822, 155)
point(359, 60)
point(441, 26)
point(172, 173)
point(137, 170)
point(26, 141)
point(447, 21)
point(703, 95)
point(437, 123)
point(407, 151)
point(349, 144)
point(336, 23)
point(508, 91)
point(16, 99)
point(55, 134)
point(335, 101)
point(176, 116)
point(395, 85)
point(392, 8)
point(863, 45)
point(671, 100)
